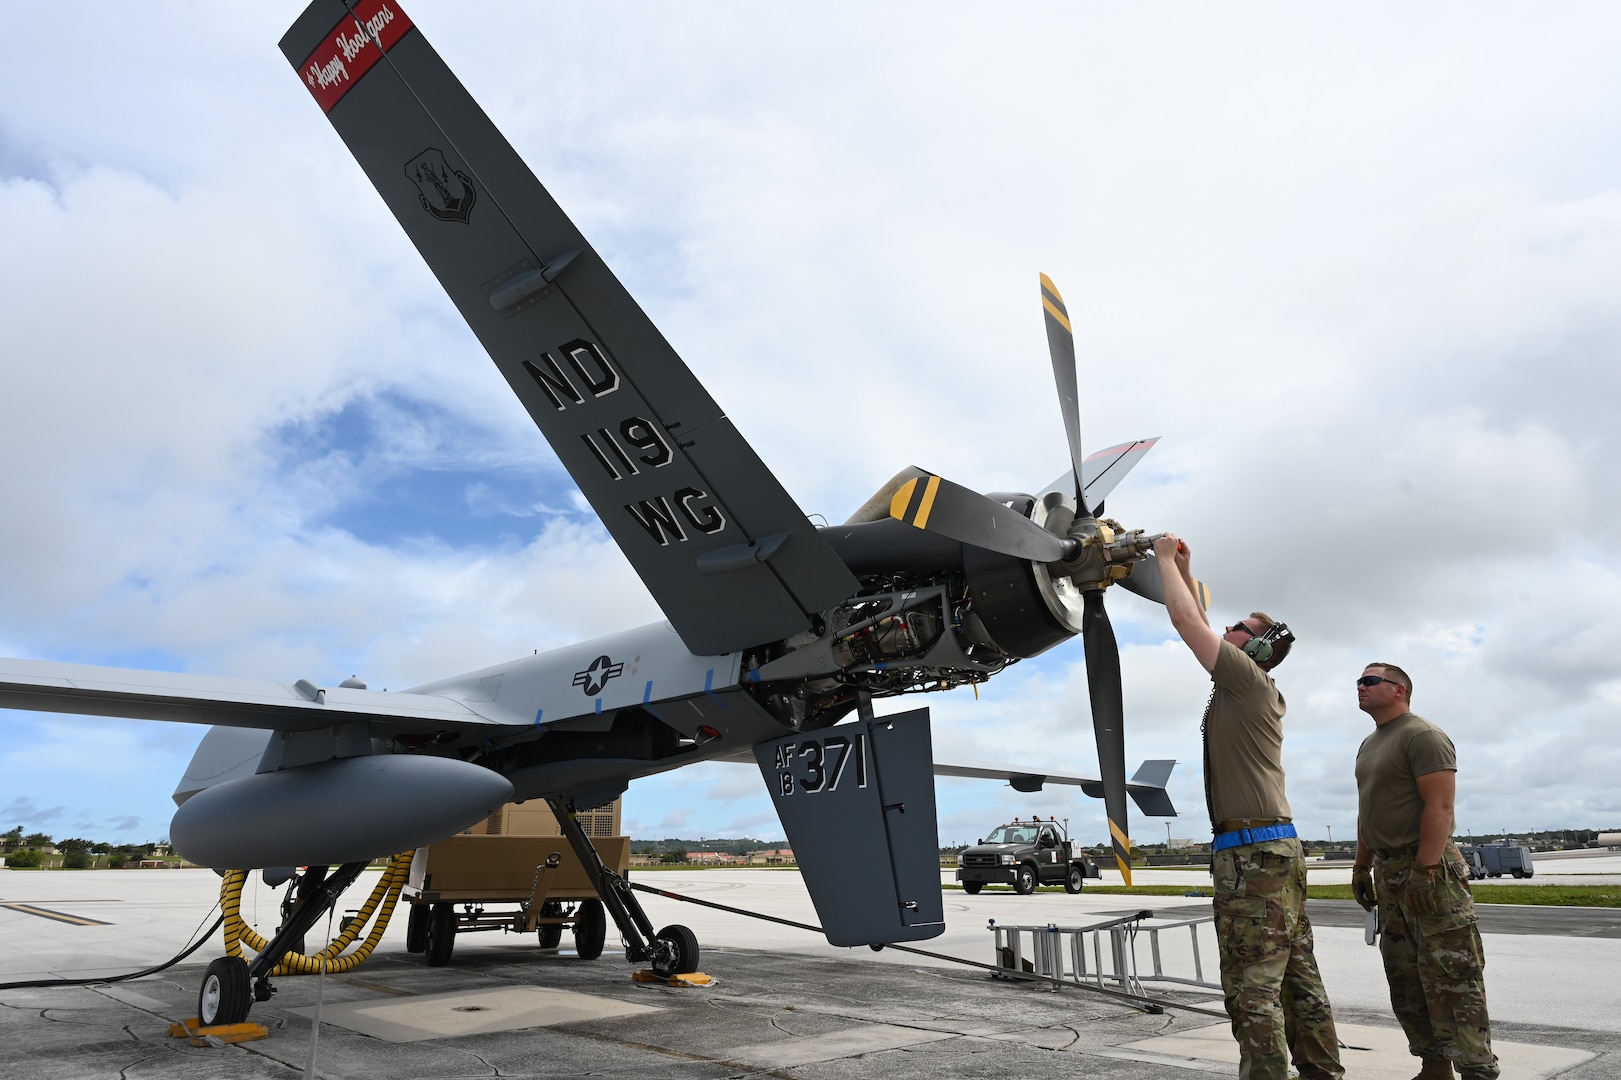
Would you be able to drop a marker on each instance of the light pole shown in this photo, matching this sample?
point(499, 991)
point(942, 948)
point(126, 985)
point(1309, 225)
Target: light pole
point(1167, 837)
point(1331, 836)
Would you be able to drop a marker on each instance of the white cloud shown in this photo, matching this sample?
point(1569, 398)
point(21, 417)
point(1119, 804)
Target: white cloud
point(1358, 272)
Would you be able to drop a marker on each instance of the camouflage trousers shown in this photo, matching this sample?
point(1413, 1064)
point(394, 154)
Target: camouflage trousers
point(1274, 993)
point(1435, 964)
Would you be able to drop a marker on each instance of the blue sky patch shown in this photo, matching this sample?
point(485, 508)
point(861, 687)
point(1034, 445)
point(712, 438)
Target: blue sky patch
point(392, 469)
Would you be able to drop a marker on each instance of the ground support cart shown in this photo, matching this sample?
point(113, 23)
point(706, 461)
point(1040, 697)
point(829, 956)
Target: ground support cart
point(471, 883)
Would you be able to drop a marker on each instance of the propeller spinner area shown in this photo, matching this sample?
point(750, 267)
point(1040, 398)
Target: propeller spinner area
point(1080, 555)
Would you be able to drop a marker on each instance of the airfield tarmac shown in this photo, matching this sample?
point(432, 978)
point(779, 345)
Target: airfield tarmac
point(784, 1003)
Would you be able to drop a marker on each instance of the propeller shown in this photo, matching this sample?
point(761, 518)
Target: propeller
point(1061, 346)
point(1108, 720)
point(1097, 633)
point(1093, 554)
point(935, 504)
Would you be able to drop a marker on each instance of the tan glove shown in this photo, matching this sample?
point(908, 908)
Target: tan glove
point(1362, 887)
point(1420, 897)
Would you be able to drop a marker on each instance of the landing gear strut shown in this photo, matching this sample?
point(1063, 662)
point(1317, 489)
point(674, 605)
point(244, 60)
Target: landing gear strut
point(671, 951)
point(232, 985)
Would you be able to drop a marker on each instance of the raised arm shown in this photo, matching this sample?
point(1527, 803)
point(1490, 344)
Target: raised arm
point(1186, 615)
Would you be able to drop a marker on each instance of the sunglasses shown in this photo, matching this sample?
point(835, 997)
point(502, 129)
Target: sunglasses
point(1375, 680)
point(1245, 629)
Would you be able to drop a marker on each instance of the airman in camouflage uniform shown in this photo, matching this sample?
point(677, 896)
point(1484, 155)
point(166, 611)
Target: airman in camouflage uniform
point(1274, 993)
point(1406, 775)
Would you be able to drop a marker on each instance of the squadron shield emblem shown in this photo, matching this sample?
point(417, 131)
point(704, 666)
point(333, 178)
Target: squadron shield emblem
point(446, 193)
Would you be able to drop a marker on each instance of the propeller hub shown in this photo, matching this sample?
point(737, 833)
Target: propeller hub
point(1104, 552)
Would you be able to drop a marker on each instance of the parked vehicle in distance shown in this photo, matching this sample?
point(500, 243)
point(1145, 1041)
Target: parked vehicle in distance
point(1499, 859)
point(1025, 854)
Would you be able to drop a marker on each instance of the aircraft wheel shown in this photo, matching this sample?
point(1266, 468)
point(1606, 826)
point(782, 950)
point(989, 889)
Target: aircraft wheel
point(226, 995)
point(550, 934)
point(590, 929)
point(681, 952)
point(1024, 880)
point(1530, 873)
point(1076, 880)
point(972, 887)
point(416, 928)
point(441, 934)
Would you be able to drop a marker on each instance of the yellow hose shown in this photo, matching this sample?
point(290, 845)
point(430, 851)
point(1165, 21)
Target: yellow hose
point(387, 893)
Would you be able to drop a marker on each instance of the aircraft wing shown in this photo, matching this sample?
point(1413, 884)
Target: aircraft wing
point(1146, 786)
point(723, 548)
point(47, 686)
point(1022, 779)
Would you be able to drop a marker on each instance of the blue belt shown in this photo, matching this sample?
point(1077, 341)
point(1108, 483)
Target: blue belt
point(1240, 837)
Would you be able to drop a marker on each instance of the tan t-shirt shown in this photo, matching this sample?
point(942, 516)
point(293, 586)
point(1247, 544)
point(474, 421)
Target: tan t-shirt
point(1388, 765)
point(1245, 740)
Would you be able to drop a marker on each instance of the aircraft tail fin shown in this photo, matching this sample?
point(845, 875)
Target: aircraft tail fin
point(1147, 788)
point(857, 803)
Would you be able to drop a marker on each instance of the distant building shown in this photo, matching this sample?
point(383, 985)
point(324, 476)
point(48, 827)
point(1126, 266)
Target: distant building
point(779, 857)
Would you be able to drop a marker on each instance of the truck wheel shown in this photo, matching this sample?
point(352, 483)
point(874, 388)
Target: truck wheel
point(590, 929)
point(1075, 881)
point(441, 934)
point(416, 928)
point(1024, 879)
point(972, 887)
point(680, 952)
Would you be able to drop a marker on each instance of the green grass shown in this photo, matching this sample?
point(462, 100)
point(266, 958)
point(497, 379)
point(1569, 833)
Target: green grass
point(1543, 895)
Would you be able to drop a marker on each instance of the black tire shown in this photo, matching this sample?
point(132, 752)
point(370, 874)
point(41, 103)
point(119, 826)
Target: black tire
point(1025, 878)
point(590, 929)
point(416, 928)
point(550, 934)
point(1075, 880)
point(441, 935)
point(1529, 873)
point(226, 994)
point(972, 887)
point(681, 956)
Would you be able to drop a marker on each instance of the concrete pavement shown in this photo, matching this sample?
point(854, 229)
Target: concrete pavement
point(785, 1003)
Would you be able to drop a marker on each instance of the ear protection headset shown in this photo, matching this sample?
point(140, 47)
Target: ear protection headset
point(1261, 647)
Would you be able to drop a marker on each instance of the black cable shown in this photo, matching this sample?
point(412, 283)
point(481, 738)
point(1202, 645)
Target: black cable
point(1145, 1003)
point(34, 983)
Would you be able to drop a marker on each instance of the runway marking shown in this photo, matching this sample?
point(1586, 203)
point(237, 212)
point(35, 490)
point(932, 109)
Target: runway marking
point(58, 916)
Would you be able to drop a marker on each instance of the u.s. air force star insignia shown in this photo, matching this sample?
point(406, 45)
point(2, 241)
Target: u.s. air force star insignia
point(446, 193)
point(595, 677)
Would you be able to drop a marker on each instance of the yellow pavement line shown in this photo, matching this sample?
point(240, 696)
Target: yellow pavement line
point(47, 913)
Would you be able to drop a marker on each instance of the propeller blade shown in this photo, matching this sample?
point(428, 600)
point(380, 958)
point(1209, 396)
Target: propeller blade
point(936, 505)
point(1061, 344)
point(1145, 582)
point(1108, 720)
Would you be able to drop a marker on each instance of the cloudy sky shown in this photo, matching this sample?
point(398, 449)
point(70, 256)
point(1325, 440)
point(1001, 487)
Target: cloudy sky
point(1361, 272)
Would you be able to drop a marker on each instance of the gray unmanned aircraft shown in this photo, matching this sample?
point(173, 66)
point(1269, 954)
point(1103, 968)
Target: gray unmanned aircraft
point(777, 630)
